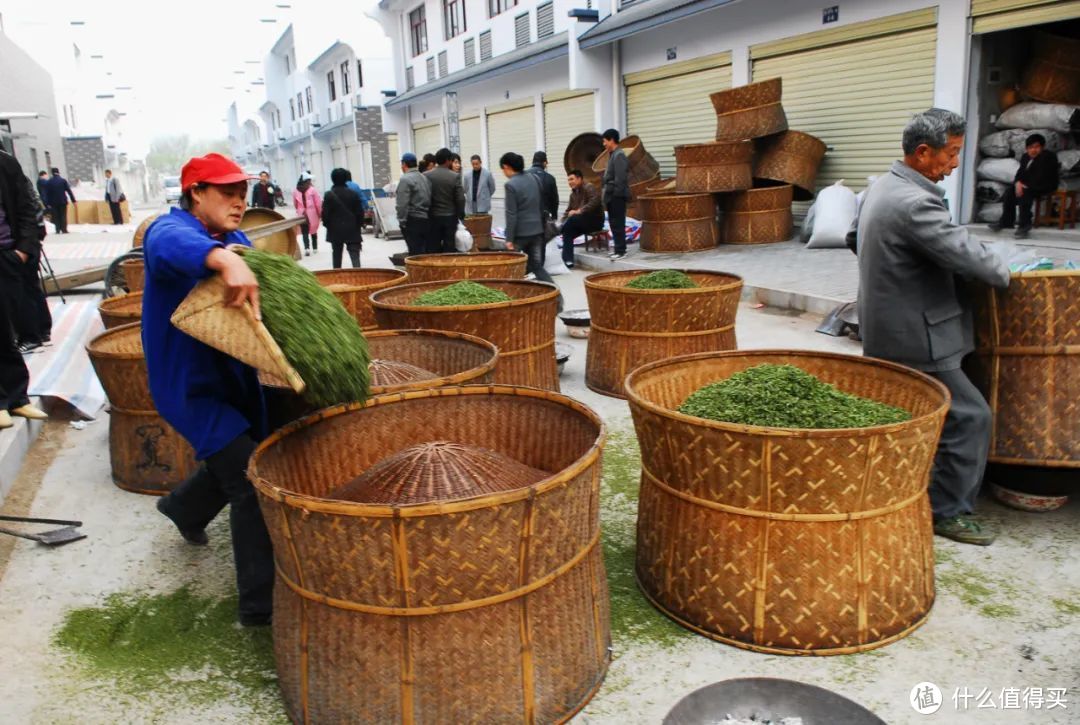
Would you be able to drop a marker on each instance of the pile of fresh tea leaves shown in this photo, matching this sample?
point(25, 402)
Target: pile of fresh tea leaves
point(461, 293)
point(784, 396)
point(662, 279)
point(318, 336)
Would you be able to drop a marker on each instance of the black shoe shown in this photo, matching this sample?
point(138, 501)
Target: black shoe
point(256, 620)
point(1022, 233)
point(28, 347)
point(997, 226)
point(195, 537)
point(617, 256)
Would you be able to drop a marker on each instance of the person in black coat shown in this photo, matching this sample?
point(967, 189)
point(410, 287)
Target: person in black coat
point(343, 217)
point(548, 189)
point(1037, 176)
point(57, 192)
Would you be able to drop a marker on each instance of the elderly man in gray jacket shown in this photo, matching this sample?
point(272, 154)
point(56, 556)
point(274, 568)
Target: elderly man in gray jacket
point(413, 202)
point(524, 213)
point(479, 187)
point(913, 266)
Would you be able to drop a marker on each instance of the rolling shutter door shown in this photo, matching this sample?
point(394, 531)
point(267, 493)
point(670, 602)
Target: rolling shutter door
point(513, 130)
point(670, 106)
point(992, 15)
point(857, 94)
point(469, 131)
point(564, 119)
point(427, 139)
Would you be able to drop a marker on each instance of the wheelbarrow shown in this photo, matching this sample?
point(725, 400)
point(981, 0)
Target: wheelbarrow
point(67, 532)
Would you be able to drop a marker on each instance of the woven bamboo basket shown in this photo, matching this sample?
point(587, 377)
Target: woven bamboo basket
point(632, 327)
point(792, 157)
point(1027, 363)
point(232, 330)
point(134, 274)
point(118, 359)
point(354, 286)
point(714, 167)
point(580, 154)
point(637, 190)
point(281, 242)
point(121, 309)
point(636, 155)
point(146, 454)
point(749, 111)
point(487, 609)
point(678, 222)
point(482, 265)
point(400, 359)
point(787, 541)
point(1053, 73)
point(661, 186)
point(140, 231)
point(479, 226)
point(758, 216)
point(523, 329)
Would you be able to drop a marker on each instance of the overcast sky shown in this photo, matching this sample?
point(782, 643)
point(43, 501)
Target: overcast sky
point(177, 56)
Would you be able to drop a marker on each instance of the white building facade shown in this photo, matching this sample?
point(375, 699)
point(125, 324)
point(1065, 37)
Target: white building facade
point(533, 75)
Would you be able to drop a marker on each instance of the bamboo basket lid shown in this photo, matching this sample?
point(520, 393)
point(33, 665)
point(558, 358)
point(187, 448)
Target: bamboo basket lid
point(121, 309)
point(232, 330)
point(749, 111)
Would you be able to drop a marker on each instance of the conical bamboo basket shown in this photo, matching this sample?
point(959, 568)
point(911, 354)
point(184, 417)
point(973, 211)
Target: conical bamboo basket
point(749, 111)
point(471, 265)
point(787, 541)
point(354, 287)
point(491, 609)
point(120, 310)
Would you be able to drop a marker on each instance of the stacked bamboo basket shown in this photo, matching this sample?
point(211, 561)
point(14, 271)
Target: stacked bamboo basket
point(779, 540)
point(472, 265)
point(353, 287)
point(434, 607)
point(146, 454)
point(748, 176)
point(120, 310)
point(479, 226)
point(644, 170)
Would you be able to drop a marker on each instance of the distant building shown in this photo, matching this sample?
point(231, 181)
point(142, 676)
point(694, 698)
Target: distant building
point(28, 123)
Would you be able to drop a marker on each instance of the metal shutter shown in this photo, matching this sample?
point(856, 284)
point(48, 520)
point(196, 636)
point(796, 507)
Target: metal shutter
point(485, 45)
point(992, 15)
point(513, 130)
point(427, 138)
point(442, 64)
point(564, 119)
point(545, 20)
point(857, 96)
point(470, 52)
point(521, 30)
point(674, 109)
point(430, 69)
point(469, 131)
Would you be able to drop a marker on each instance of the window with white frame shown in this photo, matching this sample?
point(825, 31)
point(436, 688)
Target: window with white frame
point(498, 6)
point(359, 75)
point(292, 110)
point(453, 12)
point(345, 78)
point(418, 31)
point(310, 103)
point(330, 85)
point(300, 104)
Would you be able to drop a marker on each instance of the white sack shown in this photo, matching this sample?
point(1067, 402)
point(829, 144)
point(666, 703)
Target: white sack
point(553, 261)
point(1056, 116)
point(990, 191)
point(835, 211)
point(807, 225)
point(463, 240)
point(1013, 142)
point(1000, 170)
point(989, 213)
point(1069, 162)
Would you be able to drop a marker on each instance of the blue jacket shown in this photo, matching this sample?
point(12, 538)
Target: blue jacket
point(207, 396)
point(58, 189)
point(356, 187)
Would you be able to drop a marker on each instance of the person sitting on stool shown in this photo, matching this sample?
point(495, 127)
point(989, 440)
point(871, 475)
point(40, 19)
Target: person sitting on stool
point(1037, 176)
point(583, 214)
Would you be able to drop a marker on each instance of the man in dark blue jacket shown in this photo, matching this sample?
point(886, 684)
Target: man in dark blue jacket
point(211, 399)
point(58, 191)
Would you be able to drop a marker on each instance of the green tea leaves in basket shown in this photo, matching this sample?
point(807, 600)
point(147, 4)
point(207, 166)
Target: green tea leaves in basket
point(784, 396)
point(461, 293)
point(662, 279)
point(317, 335)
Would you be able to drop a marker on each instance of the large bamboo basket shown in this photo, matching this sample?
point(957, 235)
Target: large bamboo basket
point(134, 274)
point(140, 231)
point(523, 329)
point(787, 541)
point(118, 359)
point(1027, 363)
point(354, 286)
point(454, 358)
point(479, 226)
point(120, 310)
point(480, 265)
point(792, 157)
point(758, 216)
point(714, 167)
point(280, 242)
point(147, 454)
point(749, 111)
point(1053, 73)
point(580, 154)
point(658, 207)
point(678, 222)
point(665, 185)
point(642, 165)
point(632, 327)
point(489, 609)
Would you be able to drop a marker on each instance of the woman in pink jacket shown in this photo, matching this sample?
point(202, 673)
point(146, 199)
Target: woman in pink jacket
point(308, 204)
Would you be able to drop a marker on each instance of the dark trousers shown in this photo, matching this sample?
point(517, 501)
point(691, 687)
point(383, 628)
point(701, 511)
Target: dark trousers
point(313, 238)
point(534, 247)
point(28, 307)
point(441, 231)
point(416, 234)
point(14, 377)
point(574, 227)
point(616, 212)
point(222, 480)
point(59, 217)
point(336, 249)
point(1009, 203)
point(117, 215)
point(965, 444)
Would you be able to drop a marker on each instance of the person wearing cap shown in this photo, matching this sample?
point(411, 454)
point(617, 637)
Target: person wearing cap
point(211, 399)
point(413, 205)
point(548, 187)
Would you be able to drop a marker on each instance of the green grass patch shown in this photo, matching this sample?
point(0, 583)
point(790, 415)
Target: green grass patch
point(990, 596)
point(1070, 607)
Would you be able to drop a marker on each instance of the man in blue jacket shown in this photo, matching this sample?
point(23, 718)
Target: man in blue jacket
point(58, 191)
point(211, 399)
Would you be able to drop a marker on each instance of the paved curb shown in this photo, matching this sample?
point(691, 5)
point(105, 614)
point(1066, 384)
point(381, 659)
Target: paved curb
point(15, 444)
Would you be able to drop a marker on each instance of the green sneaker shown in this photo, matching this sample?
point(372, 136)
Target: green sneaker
point(965, 529)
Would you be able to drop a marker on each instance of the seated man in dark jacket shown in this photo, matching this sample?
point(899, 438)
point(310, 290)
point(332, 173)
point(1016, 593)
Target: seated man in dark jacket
point(583, 214)
point(1038, 175)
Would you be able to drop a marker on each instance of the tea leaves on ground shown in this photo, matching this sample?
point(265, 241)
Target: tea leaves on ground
point(461, 293)
point(662, 279)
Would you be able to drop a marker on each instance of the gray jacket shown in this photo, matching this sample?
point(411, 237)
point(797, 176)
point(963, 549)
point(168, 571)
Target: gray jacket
point(447, 196)
point(113, 190)
point(484, 189)
point(413, 196)
point(913, 262)
point(616, 177)
point(523, 207)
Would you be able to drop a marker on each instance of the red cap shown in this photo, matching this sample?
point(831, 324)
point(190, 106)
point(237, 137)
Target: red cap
point(211, 169)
